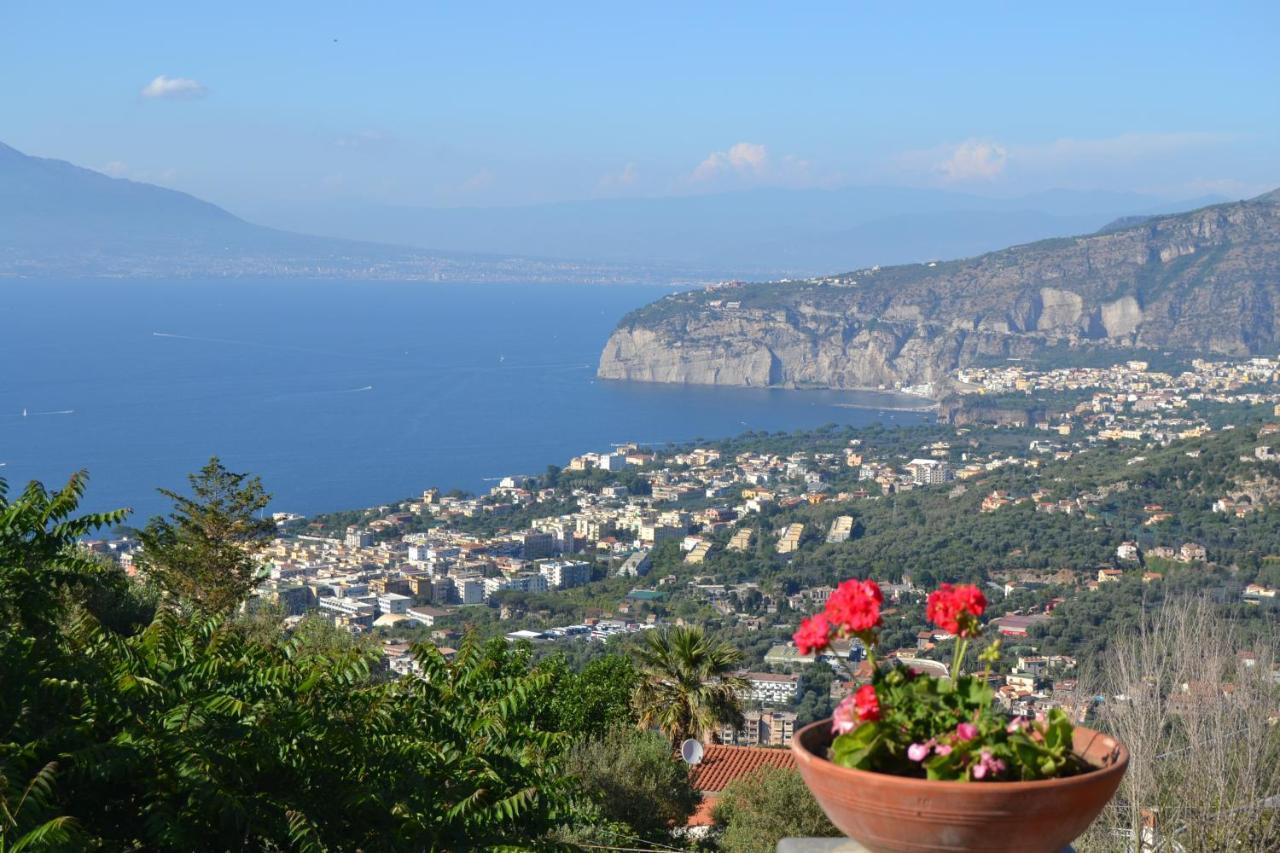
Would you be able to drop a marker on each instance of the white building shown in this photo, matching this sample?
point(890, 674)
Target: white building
point(393, 602)
point(470, 590)
point(928, 472)
point(357, 538)
point(613, 462)
point(770, 688)
point(564, 574)
point(517, 583)
point(350, 607)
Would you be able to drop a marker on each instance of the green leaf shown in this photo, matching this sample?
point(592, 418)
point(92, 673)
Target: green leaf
point(856, 748)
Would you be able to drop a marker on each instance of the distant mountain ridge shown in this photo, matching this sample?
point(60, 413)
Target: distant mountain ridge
point(1205, 282)
point(46, 202)
point(760, 233)
point(58, 219)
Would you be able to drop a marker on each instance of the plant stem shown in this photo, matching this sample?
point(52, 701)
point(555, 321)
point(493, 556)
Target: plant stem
point(957, 657)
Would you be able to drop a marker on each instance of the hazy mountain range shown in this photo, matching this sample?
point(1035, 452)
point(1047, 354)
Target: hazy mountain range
point(764, 233)
point(1203, 282)
point(57, 218)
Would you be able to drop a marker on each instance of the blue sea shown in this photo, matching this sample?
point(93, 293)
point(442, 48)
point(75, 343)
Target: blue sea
point(340, 394)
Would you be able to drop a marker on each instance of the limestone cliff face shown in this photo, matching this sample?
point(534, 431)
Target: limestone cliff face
point(1206, 282)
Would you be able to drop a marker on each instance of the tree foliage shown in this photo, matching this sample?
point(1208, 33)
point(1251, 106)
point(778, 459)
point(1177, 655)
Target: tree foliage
point(758, 810)
point(632, 778)
point(687, 687)
point(202, 554)
point(596, 699)
point(191, 733)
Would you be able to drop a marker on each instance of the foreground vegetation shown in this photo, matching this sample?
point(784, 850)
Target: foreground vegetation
point(156, 717)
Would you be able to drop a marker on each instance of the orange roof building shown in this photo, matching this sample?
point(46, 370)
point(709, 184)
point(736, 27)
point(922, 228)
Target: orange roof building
point(722, 764)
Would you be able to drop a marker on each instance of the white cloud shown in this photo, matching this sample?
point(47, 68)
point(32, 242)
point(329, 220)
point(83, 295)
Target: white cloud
point(620, 180)
point(973, 160)
point(741, 158)
point(1063, 160)
point(174, 87)
point(116, 169)
point(748, 155)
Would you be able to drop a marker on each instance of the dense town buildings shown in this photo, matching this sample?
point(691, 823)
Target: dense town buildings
point(428, 562)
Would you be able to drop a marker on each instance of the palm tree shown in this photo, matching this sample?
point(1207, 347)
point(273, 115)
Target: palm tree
point(687, 687)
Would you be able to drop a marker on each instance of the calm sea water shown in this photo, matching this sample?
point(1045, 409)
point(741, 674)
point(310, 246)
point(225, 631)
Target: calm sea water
point(339, 394)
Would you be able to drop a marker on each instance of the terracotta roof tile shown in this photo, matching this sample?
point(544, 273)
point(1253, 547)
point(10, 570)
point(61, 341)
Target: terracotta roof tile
point(721, 764)
point(704, 814)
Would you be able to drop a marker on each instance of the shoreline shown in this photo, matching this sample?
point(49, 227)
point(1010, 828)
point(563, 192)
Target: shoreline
point(916, 403)
point(920, 408)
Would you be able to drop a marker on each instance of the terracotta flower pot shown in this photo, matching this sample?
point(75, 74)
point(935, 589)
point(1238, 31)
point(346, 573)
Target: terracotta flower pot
point(896, 814)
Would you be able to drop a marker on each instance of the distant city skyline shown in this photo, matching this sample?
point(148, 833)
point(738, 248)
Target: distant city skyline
point(257, 107)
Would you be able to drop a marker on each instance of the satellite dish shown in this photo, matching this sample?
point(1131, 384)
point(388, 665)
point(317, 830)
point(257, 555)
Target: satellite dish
point(691, 751)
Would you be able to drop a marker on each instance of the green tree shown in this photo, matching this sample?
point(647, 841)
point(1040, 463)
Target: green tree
point(203, 553)
point(596, 699)
point(687, 687)
point(632, 779)
point(193, 733)
point(42, 574)
point(24, 815)
point(759, 809)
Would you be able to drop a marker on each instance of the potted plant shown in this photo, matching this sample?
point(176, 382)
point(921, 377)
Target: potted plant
point(913, 762)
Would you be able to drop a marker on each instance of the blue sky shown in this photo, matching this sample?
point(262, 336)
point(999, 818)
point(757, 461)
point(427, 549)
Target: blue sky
point(489, 103)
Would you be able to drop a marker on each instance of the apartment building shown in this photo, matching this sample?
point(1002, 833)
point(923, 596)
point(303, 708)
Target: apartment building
point(761, 728)
point(565, 574)
point(770, 688)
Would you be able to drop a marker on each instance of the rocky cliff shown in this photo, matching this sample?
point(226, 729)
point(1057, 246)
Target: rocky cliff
point(1203, 282)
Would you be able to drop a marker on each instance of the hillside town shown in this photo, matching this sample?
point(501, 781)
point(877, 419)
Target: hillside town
point(434, 564)
point(1129, 400)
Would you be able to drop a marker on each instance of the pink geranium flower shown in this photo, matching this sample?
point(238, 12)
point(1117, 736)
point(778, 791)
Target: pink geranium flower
point(988, 765)
point(843, 719)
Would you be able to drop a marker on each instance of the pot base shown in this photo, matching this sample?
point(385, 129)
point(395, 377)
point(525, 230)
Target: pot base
point(898, 814)
point(836, 845)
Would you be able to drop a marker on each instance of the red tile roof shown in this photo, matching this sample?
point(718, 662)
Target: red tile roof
point(721, 764)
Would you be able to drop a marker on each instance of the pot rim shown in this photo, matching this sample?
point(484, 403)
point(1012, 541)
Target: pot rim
point(804, 756)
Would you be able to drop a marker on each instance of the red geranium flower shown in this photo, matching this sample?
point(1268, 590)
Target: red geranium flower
point(854, 607)
point(865, 704)
point(955, 609)
point(813, 635)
